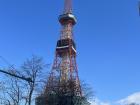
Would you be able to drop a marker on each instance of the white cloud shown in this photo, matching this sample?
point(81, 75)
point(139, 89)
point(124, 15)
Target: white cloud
point(98, 102)
point(134, 98)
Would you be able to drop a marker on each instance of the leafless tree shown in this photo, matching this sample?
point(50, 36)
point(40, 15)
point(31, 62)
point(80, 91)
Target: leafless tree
point(87, 91)
point(16, 91)
point(34, 68)
point(11, 93)
point(3, 99)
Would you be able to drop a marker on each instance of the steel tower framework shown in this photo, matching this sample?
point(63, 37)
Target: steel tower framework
point(64, 68)
point(63, 85)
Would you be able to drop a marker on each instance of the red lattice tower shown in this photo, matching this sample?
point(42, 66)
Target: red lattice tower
point(64, 74)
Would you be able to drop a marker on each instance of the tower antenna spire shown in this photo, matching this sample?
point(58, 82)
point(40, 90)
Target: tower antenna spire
point(68, 6)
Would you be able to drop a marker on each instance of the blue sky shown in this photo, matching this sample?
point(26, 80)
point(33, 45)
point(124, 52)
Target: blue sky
point(107, 36)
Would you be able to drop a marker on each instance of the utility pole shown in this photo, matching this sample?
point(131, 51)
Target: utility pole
point(17, 76)
point(13, 74)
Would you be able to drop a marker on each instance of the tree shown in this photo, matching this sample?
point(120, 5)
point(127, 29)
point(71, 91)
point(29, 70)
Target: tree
point(33, 68)
point(10, 93)
point(87, 91)
point(16, 91)
point(13, 91)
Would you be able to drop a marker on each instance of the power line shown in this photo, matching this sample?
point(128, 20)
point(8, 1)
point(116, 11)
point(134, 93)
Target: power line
point(7, 62)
